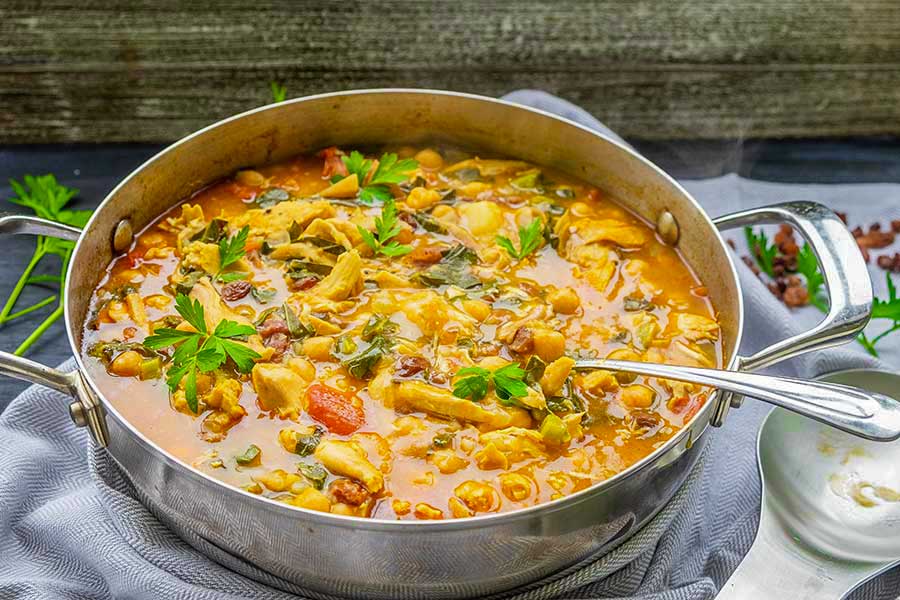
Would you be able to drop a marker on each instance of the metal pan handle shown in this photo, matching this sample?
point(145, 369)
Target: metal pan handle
point(86, 409)
point(846, 280)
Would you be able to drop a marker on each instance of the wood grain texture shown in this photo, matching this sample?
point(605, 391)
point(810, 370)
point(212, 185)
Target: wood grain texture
point(153, 71)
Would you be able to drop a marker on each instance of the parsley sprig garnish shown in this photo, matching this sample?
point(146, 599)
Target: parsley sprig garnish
point(507, 381)
point(48, 199)
point(387, 226)
point(808, 266)
point(884, 309)
point(279, 92)
point(529, 239)
point(231, 250)
point(389, 171)
point(200, 351)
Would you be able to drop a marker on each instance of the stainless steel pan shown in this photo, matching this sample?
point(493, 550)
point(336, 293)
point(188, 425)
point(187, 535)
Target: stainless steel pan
point(385, 559)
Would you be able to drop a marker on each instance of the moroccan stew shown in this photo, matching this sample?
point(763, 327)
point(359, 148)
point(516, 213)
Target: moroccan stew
point(392, 334)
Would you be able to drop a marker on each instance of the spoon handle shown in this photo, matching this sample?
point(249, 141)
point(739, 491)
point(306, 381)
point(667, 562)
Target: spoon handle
point(866, 414)
point(779, 566)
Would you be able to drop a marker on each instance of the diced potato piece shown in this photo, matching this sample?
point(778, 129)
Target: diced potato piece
point(345, 279)
point(318, 347)
point(592, 231)
point(564, 301)
point(482, 219)
point(347, 187)
point(420, 198)
point(279, 388)
point(638, 396)
point(555, 375)
point(548, 344)
point(477, 309)
point(696, 327)
point(349, 460)
point(225, 397)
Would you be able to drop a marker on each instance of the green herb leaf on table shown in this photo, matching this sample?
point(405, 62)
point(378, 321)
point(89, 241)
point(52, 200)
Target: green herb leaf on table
point(201, 351)
point(808, 266)
point(47, 198)
point(883, 309)
point(279, 92)
point(762, 250)
point(389, 171)
point(387, 226)
point(508, 383)
point(530, 238)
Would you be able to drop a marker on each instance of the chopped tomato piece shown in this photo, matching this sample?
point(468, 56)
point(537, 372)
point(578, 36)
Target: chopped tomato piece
point(334, 409)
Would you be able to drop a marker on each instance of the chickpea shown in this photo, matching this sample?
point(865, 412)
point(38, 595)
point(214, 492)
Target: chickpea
point(430, 159)
point(564, 301)
point(278, 480)
point(624, 354)
point(318, 347)
point(478, 496)
point(127, 364)
point(250, 177)
point(448, 462)
point(401, 507)
point(515, 487)
point(638, 396)
point(549, 345)
point(442, 211)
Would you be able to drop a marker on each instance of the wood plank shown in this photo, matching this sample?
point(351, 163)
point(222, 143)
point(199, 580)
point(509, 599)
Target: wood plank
point(154, 71)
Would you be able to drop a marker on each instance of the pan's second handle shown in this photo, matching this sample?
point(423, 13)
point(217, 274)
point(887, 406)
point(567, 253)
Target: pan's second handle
point(86, 409)
point(846, 280)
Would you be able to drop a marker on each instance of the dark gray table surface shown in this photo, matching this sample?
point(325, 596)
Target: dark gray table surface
point(95, 170)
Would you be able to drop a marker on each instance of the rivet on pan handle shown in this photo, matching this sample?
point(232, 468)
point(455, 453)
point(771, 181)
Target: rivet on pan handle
point(846, 280)
point(85, 409)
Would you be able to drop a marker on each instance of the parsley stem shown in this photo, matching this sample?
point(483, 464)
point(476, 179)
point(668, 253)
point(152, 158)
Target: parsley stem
point(31, 339)
point(33, 307)
point(20, 284)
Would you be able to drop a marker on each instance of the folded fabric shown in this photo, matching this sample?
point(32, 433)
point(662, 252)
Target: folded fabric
point(72, 527)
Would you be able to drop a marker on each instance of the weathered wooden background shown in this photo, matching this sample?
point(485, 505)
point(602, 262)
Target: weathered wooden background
point(146, 70)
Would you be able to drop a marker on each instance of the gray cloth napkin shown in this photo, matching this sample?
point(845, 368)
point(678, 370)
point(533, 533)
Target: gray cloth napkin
point(71, 526)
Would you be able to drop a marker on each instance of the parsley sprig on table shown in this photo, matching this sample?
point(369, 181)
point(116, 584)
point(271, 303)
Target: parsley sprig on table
point(508, 383)
point(387, 226)
point(529, 239)
point(762, 251)
point(389, 171)
point(231, 250)
point(808, 266)
point(279, 92)
point(47, 198)
point(200, 351)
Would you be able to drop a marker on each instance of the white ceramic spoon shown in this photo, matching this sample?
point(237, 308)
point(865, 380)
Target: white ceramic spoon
point(830, 514)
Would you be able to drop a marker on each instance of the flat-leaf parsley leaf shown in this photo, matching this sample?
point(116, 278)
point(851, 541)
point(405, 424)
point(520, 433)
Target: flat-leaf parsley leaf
point(530, 238)
point(387, 226)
